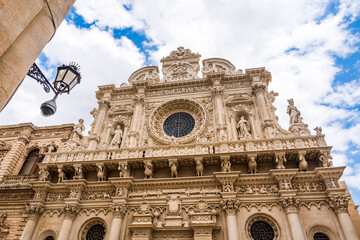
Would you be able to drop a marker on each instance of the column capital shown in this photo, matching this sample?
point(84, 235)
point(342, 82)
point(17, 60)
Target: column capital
point(70, 210)
point(104, 103)
point(118, 209)
point(290, 204)
point(339, 203)
point(258, 87)
point(230, 205)
point(34, 211)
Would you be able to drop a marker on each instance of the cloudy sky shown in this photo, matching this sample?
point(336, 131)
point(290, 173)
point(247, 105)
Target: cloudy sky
point(311, 48)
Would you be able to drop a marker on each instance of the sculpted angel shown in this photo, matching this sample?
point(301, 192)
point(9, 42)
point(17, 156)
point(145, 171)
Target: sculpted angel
point(117, 137)
point(293, 112)
point(243, 128)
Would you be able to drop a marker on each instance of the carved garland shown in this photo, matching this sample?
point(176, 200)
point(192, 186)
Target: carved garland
point(159, 115)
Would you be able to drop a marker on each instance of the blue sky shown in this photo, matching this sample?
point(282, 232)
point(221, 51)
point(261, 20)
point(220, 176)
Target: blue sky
point(311, 48)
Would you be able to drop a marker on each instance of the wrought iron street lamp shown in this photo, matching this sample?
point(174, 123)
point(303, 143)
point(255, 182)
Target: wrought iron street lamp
point(67, 77)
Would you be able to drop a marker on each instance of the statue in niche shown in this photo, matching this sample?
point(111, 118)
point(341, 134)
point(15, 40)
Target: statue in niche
point(78, 129)
point(293, 112)
point(173, 169)
point(122, 169)
point(243, 128)
point(117, 137)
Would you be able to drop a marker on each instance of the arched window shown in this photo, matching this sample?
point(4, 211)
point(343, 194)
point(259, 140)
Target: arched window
point(321, 236)
point(49, 238)
point(30, 165)
point(261, 230)
point(96, 232)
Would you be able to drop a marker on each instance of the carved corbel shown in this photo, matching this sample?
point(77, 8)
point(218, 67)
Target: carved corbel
point(227, 180)
point(225, 163)
point(330, 176)
point(280, 160)
point(149, 169)
point(303, 165)
point(79, 172)
point(284, 177)
point(61, 174)
point(324, 158)
point(123, 169)
point(252, 164)
point(173, 164)
point(199, 166)
point(101, 172)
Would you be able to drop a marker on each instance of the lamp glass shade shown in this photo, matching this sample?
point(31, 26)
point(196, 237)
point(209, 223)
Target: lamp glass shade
point(66, 79)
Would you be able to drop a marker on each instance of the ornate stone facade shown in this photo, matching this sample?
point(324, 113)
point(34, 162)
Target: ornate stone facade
point(183, 157)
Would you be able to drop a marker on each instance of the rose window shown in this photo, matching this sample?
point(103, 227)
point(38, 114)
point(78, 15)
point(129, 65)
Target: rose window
point(262, 231)
point(179, 124)
point(320, 236)
point(96, 232)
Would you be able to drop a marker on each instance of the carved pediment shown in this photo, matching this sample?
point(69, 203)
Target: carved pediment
point(217, 65)
point(244, 98)
point(148, 74)
point(181, 64)
point(121, 109)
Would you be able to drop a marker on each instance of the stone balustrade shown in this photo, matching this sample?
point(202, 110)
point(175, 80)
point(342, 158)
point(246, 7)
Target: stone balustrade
point(246, 146)
point(13, 180)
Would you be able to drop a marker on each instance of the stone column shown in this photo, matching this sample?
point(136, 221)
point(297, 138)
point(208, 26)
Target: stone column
point(259, 90)
point(23, 51)
point(230, 206)
point(118, 210)
point(70, 212)
point(104, 105)
point(11, 159)
point(217, 92)
point(290, 205)
point(34, 213)
point(340, 205)
point(136, 119)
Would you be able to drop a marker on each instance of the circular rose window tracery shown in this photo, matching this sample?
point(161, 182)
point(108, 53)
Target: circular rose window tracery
point(180, 121)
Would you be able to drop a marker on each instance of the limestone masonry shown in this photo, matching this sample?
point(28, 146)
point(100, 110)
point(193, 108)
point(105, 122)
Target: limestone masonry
point(182, 157)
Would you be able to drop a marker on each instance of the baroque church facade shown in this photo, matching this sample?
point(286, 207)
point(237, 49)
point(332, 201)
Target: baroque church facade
point(183, 157)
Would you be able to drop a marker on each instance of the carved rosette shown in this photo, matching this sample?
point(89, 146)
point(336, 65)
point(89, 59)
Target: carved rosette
point(339, 203)
point(290, 204)
point(118, 209)
point(33, 211)
point(230, 205)
point(159, 115)
point(70, 210)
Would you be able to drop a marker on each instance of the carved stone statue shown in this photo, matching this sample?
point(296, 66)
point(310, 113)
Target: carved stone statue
point(279, 161)
point(61, 175)
point(293, 112)
point(117, 137)
point(252, 165)
point(325, 159)
point(44, 174)
point(226, 165)
point(199, 168)
point(78, 129)
point(149, 167)
point(173, 169)
point(122, 169)
point(79, 174)
point(318, 130)
point(101, 174)
point(243, 128)
point(50, 149)
point(303, 165)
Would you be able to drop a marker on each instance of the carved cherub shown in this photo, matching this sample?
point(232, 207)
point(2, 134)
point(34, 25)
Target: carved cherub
point(44, 174)
point(325, 159)
point(226, 165)
point(303, 165)
point(279, 161)
point(252, 165)
point(78, 173)
point(199, 167)
point(122, 169)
